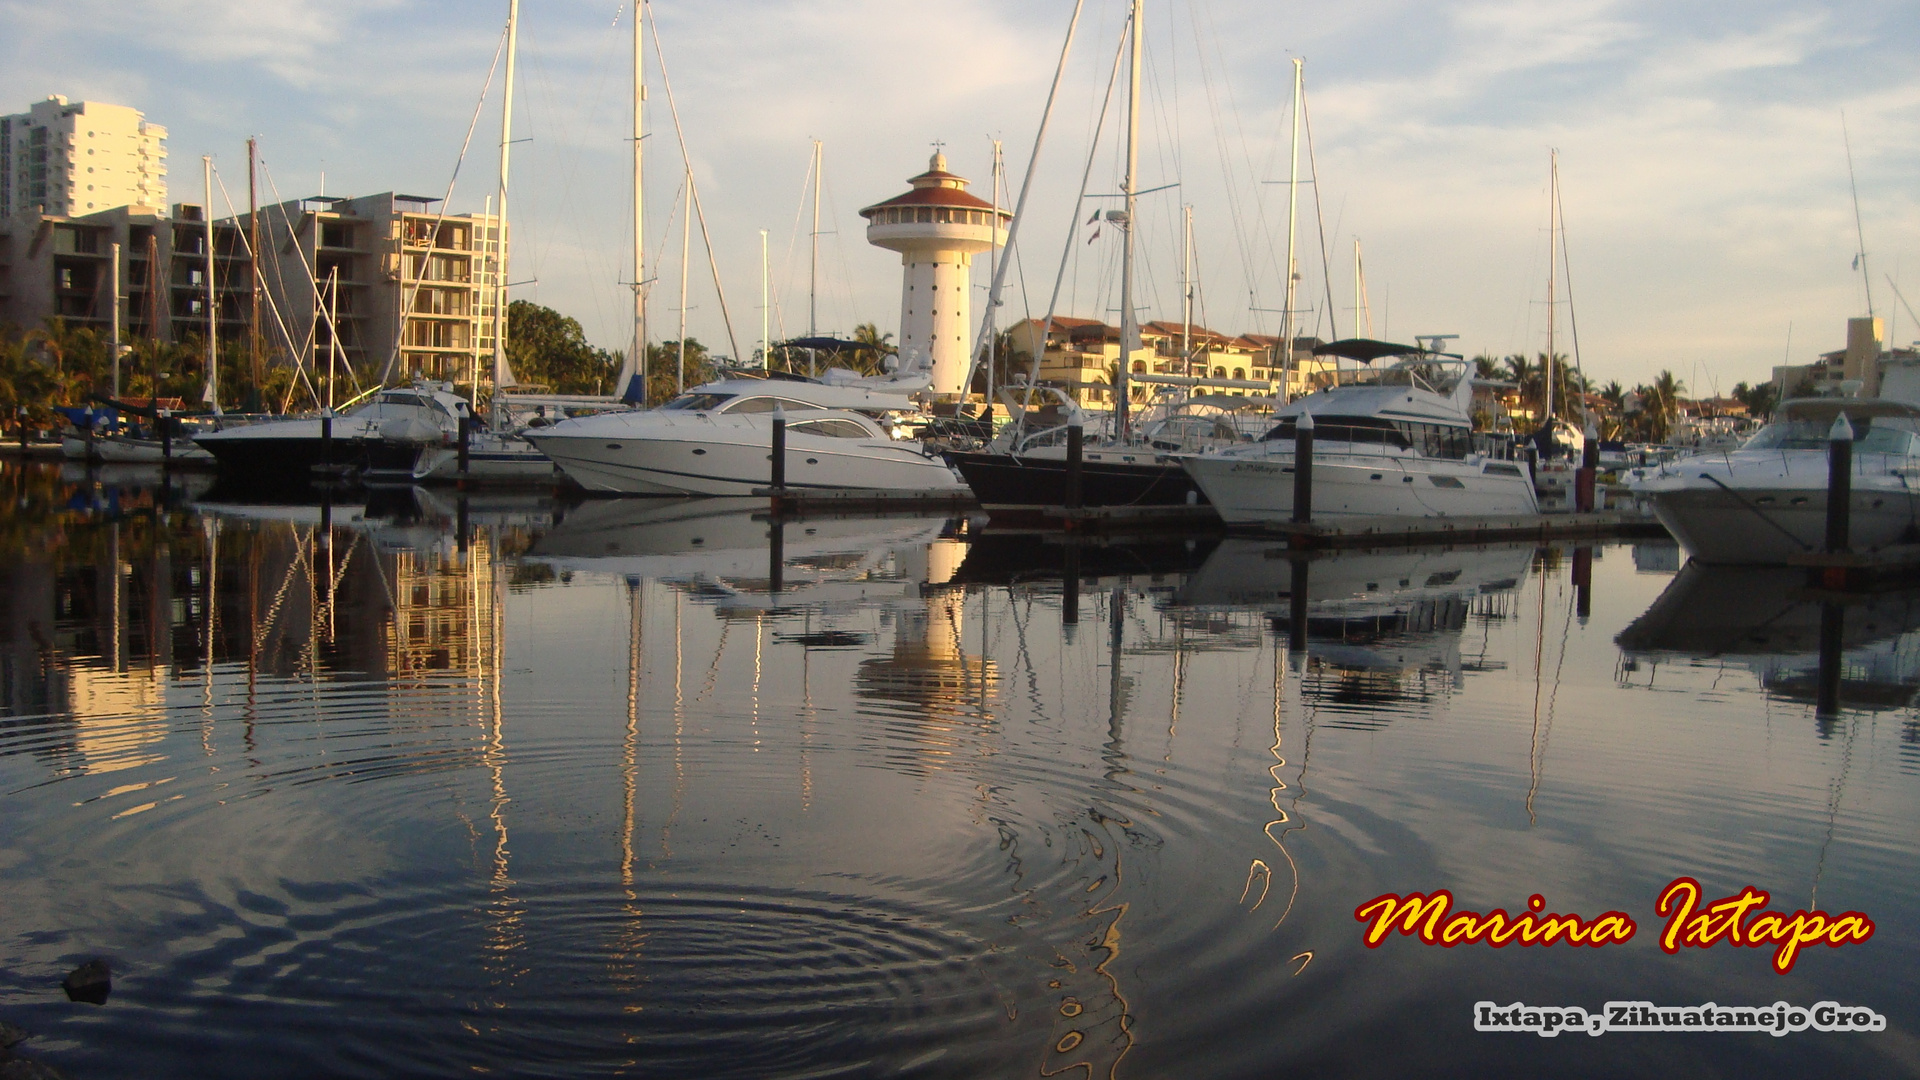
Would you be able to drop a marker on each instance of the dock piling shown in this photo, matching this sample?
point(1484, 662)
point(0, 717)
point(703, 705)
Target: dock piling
point(1076, 451)
point(1839, 483)
point(1583, 480)
point(779, 456)
point(776, 553)
point(1297, 597)
point(1303, 469)
point(466, 441)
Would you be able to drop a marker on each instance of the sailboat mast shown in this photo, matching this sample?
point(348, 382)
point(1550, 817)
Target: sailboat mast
point(212, 393)
point(766, 356)
point(686, 251)
point(113, 284)
point(1186, 290)
point(1129, 324)
point(501, 375)
point(1553, 226)
point(1859, 230)
point(1293, 221)
point(1359, 288)
point(637, 357)
point(993, 273)
point(256, 364)
point(813, 274)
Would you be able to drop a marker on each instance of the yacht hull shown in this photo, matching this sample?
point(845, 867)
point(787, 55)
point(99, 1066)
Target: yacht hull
point(292, 457)
point(1009, 483)
point(1735, 528)
point(1256, 490)
point(127, 450)
point(718, 459)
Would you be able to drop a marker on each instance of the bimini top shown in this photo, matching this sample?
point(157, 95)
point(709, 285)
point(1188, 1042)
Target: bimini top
point(1366, 350)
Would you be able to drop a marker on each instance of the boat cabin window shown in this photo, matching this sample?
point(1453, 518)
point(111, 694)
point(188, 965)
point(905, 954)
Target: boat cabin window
point(833, 429)
point(766, 404)
point(1812, 435)
point(1430, 440)
point(697, 402)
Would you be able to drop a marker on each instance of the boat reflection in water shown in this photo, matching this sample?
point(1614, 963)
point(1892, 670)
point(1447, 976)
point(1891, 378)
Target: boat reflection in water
point(1377, 626)
point(1864, 654)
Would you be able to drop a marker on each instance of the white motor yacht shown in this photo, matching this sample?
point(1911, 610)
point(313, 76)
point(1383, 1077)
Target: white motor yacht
point(716, 439)
point(1396, 442)
point(279, 449)
point(1767, 501)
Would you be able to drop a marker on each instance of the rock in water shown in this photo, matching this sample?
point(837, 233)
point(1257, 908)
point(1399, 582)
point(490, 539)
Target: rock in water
point(22, 1069)
point(11, 1035)
point(91, 982)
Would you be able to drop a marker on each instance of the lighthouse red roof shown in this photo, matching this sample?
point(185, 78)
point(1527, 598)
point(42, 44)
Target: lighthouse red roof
point(936, 187)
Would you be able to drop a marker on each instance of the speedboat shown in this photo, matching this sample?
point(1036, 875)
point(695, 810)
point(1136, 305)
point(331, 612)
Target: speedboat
point(1767, 501)
point(1396, 442)
point(279, 449)
point(716, 439)
point(1027, 470)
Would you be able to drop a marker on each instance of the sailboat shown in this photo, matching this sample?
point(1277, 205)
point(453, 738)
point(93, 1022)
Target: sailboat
point(1136, 463)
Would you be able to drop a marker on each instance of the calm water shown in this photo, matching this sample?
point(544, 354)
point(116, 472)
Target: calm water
point(433, 791)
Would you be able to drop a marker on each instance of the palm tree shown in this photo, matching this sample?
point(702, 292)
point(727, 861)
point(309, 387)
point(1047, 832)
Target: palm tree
point(875, 347)
point(1486, 367)
point(1664, 402)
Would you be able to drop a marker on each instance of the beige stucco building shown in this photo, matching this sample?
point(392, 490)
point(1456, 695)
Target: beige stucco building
point(392, 274)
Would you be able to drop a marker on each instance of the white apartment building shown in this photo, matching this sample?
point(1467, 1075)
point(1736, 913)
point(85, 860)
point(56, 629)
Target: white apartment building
point(75, 158)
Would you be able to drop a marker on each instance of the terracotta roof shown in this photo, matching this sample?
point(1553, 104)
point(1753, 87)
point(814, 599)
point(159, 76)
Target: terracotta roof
point(1066, 322)
point(936, 196)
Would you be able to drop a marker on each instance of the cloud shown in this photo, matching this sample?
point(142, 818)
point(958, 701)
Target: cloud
point(1703, 173)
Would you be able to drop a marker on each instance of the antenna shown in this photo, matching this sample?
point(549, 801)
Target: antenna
point(1860, 256)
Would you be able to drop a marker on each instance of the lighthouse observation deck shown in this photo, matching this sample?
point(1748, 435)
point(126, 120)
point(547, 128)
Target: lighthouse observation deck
point(937, 227)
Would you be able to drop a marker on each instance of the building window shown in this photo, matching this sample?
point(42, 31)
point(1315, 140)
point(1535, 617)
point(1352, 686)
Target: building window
point(924, 215)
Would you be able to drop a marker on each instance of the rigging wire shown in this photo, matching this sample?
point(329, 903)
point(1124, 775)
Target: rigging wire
point(1320, 219)
point(693, 189)
point(1079, 203)
point(253, 260)
point(399, 333)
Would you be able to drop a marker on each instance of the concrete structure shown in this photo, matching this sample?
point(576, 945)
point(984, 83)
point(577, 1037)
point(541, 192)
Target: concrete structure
point(76, 158)
point(391, 274)
point(1864, 362)
point(938, 227)
point(52, 265)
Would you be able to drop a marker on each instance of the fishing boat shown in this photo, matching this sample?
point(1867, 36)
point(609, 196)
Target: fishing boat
point(1767, 501)
point(1395, 442)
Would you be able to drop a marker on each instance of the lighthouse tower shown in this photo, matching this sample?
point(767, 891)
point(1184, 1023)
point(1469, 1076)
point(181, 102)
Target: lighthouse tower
point(938, 227)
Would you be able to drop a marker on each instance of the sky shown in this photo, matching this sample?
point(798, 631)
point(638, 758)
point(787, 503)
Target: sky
point(1703, 153)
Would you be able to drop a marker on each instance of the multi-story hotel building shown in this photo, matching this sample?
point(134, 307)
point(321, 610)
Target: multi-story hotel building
point(73, 158)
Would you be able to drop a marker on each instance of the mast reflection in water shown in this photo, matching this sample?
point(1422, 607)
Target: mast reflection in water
point(431, 785)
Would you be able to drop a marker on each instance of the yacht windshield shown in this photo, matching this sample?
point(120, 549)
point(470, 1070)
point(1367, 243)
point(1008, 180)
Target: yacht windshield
point(1430, 440)
point(697, 401)
point(1812, 435)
